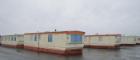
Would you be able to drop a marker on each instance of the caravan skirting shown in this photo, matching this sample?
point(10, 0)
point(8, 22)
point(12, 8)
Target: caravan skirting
point(12, 46)
point(127, 44)
point(66, 52)
point(102, 47)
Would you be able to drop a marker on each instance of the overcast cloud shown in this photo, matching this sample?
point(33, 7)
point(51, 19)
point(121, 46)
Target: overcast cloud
point(91, 16)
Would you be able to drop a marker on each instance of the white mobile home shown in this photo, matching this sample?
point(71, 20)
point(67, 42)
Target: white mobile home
point(62, 42)
point(102, 41)
point(15, 41)
point(128, 40)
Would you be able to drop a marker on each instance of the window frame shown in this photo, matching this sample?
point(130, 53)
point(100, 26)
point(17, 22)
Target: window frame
point(50, 38)
point(36, 37)
point(12, 38)
point(74, 37)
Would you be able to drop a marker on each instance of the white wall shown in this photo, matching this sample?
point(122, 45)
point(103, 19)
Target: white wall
point(7, 40)
point(102, 40)
point(128, 40)
point(60, 41)
point(137, 39)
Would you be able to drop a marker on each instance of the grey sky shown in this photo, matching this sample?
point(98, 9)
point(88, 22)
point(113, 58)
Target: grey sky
point(91, 16)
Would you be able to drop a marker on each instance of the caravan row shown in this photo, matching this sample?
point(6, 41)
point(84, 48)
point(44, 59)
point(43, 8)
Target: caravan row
point(66, 42)
point(62, 42)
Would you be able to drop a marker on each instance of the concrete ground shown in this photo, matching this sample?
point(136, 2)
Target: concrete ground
point(125, 53)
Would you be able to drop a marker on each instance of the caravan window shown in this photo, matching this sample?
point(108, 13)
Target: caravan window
point(13, 38)
point(35, 37)
point(50, 37)
point(75, 38)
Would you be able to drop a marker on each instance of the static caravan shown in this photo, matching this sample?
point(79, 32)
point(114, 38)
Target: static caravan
point(102, 41)
point(138, 40)
point(60, 42)
point(15, 41)
point(128, 40)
